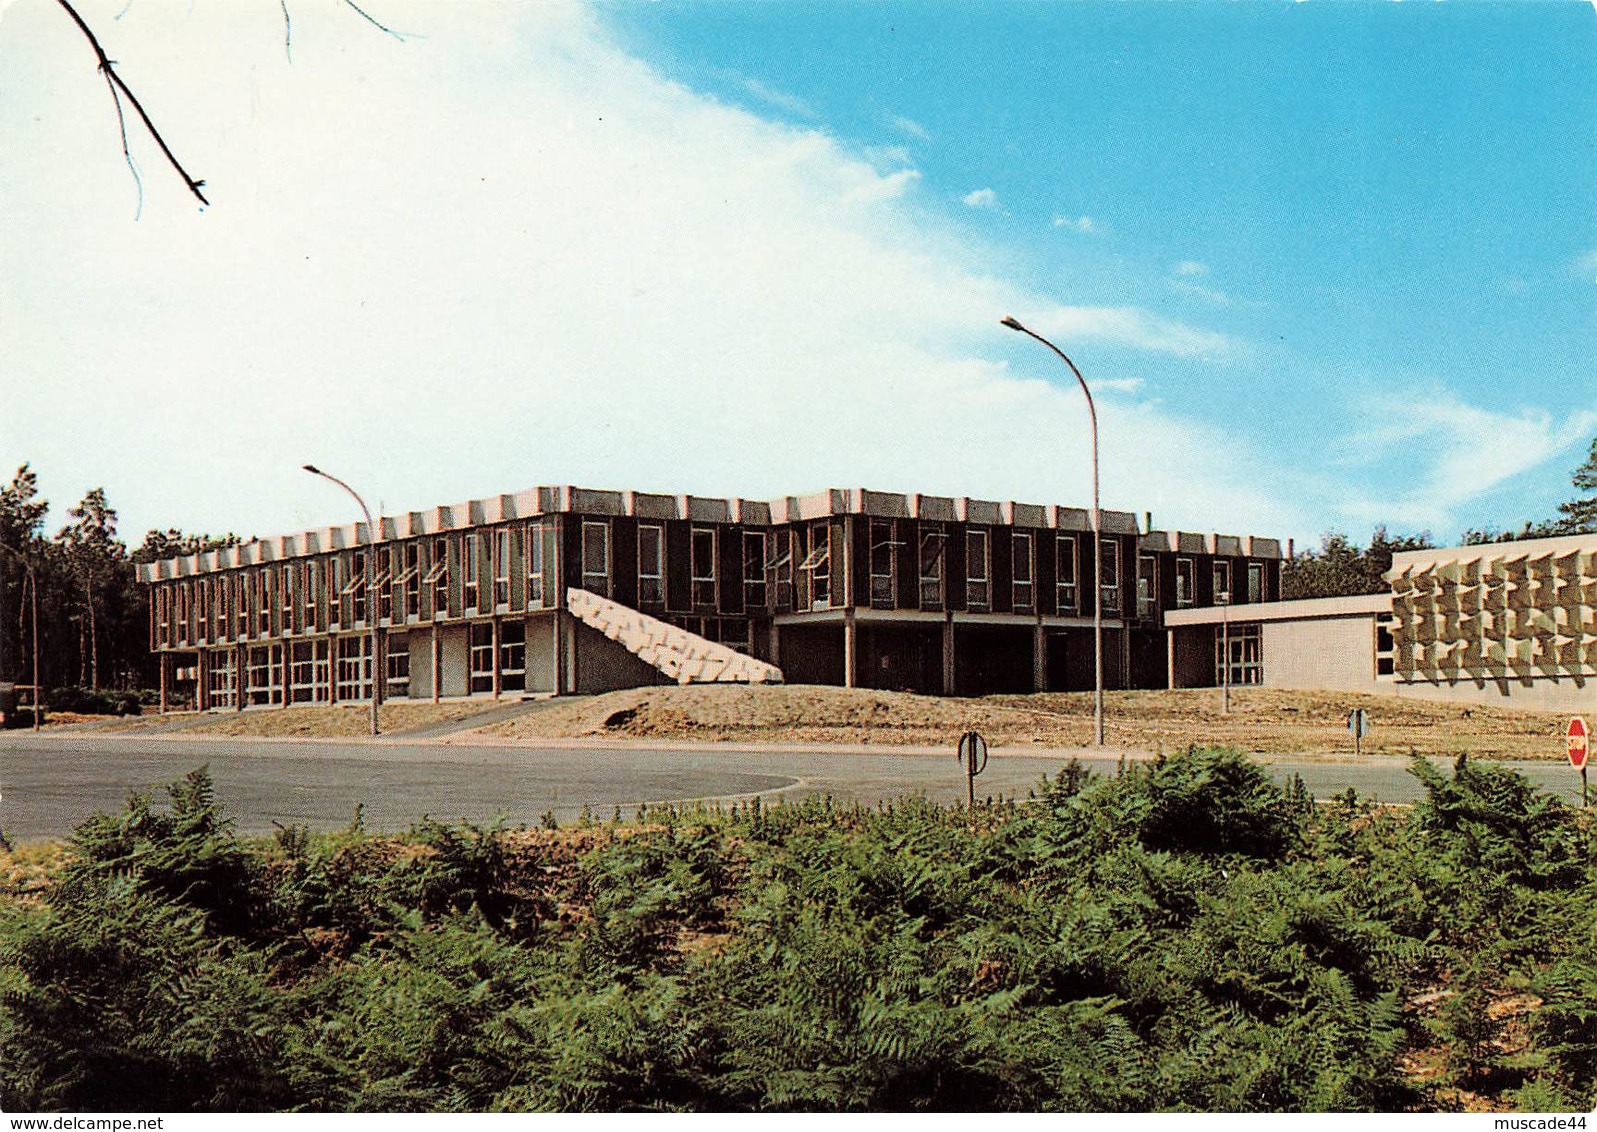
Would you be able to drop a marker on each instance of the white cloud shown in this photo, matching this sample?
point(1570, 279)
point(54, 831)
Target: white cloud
point(884, 187)
point(1135, 327)
point(1586, 264)
point(1118, 384)
point(1442, 455)
point(1082, 224)
point(894, 156)
point(909, 126)
point(1190, 268)
point(508, 254)
point(1207, 294)
point(981, 198)
point(789, 103)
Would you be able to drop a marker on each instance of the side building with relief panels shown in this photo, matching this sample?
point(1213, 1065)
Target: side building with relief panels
point(569, 590)
point(1509, 623)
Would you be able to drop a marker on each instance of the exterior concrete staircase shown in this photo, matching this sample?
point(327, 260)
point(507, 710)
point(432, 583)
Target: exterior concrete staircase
point(685, 657)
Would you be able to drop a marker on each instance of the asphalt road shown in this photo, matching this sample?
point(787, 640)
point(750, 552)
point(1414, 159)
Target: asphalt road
point(50, 783)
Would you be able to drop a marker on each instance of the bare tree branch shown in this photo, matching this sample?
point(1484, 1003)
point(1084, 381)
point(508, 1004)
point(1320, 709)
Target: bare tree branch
point(288, 32)
point(127, 154)
point(367, 17)
point(117, 85)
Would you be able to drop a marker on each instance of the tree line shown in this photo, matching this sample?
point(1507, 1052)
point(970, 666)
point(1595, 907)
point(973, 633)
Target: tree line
point(93, 617)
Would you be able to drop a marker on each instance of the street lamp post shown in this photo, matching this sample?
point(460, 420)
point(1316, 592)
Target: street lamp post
point(33, 599)
point(372, 538)
point(1097, 537)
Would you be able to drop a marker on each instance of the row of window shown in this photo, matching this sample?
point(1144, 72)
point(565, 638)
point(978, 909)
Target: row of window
point(931, 556)
point(978, 572)
point(309, 669)
point(411, 580)
point(512, 569)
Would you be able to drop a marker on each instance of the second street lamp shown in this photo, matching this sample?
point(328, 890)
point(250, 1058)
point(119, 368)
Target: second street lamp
point(373, 537)
point(1097, 538)
point(32, 582)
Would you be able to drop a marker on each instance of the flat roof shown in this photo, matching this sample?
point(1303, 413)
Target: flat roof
point(1303, 609)
point(1410, 561)
point(547, 500)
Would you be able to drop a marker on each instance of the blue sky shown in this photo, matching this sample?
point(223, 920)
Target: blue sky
point(1383, 204)
point(1325, 265)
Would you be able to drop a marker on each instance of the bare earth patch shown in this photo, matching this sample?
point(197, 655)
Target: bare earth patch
point(1263, 720)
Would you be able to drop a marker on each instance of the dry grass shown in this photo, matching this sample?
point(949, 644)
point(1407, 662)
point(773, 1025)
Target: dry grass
point(26, 871)
point(1260, 720)
point(340, 721)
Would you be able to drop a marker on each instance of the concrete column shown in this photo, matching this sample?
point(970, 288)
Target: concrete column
point(948, 654)
point(1039, 658)
point(240, 652)
point(438, 666)
point(332, 670)
point(850, 649)
point(1170, 657)
point(497, 683)
point(202, 681)
point(573, 671)
point(557, 636)
point(165, 662)
point(776, 644)
point(1125, 654)
point(287, 671)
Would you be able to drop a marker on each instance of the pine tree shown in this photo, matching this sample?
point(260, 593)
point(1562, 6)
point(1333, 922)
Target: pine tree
point(96, 555)
point(21, 516)
point(1580, 514)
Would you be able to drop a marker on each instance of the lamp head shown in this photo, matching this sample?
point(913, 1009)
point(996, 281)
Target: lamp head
point(312, 469)
point(1011, 322)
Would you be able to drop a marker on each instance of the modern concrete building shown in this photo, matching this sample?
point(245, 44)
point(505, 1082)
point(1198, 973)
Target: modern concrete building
point(1502, 623)
point(564, 589)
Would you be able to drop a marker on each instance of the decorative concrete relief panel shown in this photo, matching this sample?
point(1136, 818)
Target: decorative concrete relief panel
point(682, 656)
point(1515, 615)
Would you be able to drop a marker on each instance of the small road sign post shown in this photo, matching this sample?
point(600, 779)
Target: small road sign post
point(1358, 722)
point(1578, 744)
point(972, 756)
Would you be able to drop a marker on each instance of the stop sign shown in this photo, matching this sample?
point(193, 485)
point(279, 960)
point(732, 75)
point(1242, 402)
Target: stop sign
point(1577, 743)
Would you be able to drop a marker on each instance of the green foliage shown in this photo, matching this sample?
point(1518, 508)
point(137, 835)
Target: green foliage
point(1490, 821)
point(1185, 936)
point(172, 543)
point(1580, 513)
point(642, 891)
point(93, 615)
point(1213, 801)
point(1341, 568)
point(186, 854)
point(130, 989)
point(91, 701)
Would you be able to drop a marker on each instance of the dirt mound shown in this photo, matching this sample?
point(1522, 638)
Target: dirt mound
point(785, 714)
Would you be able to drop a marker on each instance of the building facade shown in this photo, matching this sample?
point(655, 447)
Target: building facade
point(564, 589)
point(1510, 623)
